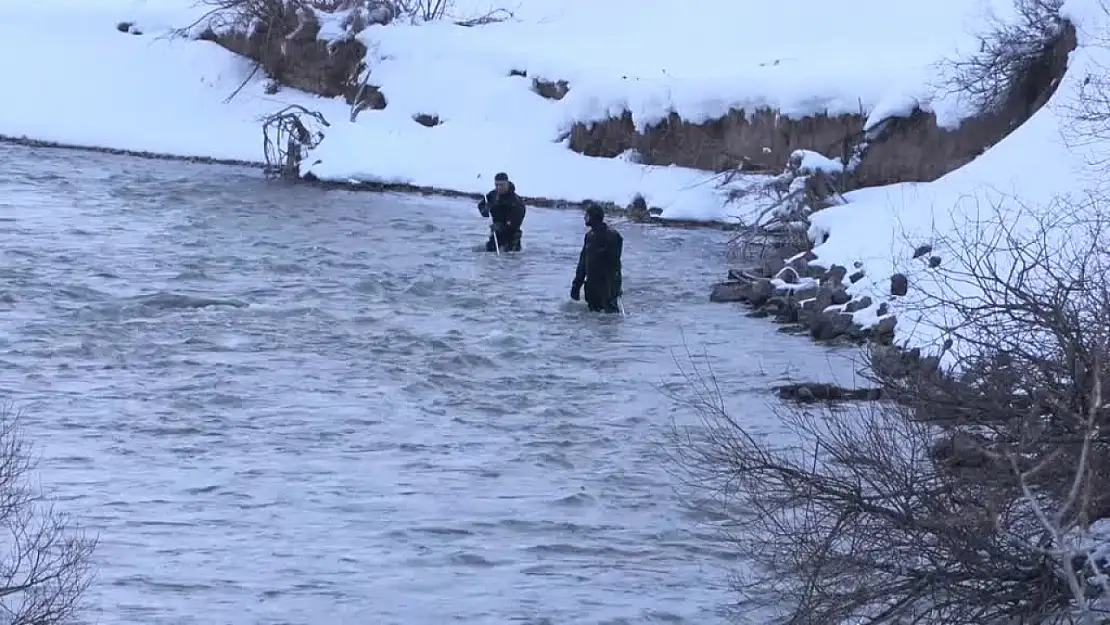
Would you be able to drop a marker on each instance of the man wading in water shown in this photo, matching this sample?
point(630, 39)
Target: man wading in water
point(507, 210)
point(599, 264)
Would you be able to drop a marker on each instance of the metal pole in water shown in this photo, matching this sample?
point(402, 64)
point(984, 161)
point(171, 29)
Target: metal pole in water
point(496, 243)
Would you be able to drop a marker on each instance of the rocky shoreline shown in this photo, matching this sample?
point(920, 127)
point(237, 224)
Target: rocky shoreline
point(787, 287)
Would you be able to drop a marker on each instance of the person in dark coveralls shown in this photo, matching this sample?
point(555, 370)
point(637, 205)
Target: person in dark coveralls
point(507, 210)
point(599, 264)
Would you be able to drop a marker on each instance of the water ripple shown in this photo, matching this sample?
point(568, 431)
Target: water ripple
point(285, 405)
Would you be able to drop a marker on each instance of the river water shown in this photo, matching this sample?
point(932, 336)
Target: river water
point(278, 404)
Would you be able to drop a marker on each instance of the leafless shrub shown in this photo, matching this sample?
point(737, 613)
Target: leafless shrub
point(1008, 50)
point(46, 564)
point(974, 497)
point(287, 135)
point(780, 205)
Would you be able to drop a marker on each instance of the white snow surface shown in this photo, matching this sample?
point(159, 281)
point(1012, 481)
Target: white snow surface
point(73, 78)
point(1049, 165)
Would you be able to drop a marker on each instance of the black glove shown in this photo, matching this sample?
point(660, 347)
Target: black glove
point(483, 209)
point(576, 291)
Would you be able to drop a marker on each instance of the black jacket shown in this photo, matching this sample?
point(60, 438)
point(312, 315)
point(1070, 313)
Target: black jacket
point(599, 262)
point(507, 210)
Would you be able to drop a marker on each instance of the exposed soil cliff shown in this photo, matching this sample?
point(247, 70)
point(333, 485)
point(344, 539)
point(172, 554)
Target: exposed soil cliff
point(910, 149)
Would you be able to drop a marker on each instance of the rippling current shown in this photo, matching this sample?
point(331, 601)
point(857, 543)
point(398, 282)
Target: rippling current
point(277, 404)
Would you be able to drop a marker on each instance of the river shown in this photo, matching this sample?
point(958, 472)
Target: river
point(278, 404)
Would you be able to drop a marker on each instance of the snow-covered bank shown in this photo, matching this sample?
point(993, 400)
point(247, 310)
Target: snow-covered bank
point(97, 86)
point(1052, 160)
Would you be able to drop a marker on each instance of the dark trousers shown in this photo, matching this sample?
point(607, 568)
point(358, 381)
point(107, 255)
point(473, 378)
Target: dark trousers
point(600, 297)
point(509, 240)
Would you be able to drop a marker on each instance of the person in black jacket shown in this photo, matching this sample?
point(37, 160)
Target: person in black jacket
point(507, 210)
point(599, 264)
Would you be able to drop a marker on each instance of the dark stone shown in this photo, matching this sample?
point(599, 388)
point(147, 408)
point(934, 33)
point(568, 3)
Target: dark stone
point(761, 291)
point(802, 294)
point(518, 72)
point(638, 209)
point(788, 275)
point(729, 292)
point(922, 250)
point(840, 297)
point(774, 306)
point(856, 277)
point(812, 392)
point(828, 326)
point(857, 305)
point(884, 330)
point(428, 121)
point(772, 264)
point(836, 274)
point(551, 90)
point(934, 262)
point(883, 309)
point(800, 266)
point(899, 284)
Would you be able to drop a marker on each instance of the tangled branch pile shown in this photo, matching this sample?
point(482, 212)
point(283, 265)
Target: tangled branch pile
point(982, 495)
point(287, 136)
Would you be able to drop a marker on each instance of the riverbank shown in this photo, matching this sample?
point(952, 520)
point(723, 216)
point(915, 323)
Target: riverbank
point(639, 214)
point(887, 265)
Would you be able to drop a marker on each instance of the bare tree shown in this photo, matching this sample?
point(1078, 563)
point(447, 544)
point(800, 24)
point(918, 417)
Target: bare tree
point(1008, 49)
point(974, 496)
point(46, 565)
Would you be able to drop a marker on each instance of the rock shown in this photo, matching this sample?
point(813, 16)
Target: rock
point(518, 72)
point(830, 325)
point(551, 90)
point(774, 306)
point(961, 450)
point(638, 209)
point(922, 250)
point(835, 275)
point(761, 291)
point(856, 277)
point(800, 265)
point(772, 264)
point(736, 275)
point(840, 297)
point(788, 275)
point(426, 120)
point(899, 284)
point(883, 331)
point(811, 392)
point(934, 262)
point(729, 292)
point(802, 294)
point(817, 272)
point(857, 305)
point(883, 309)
